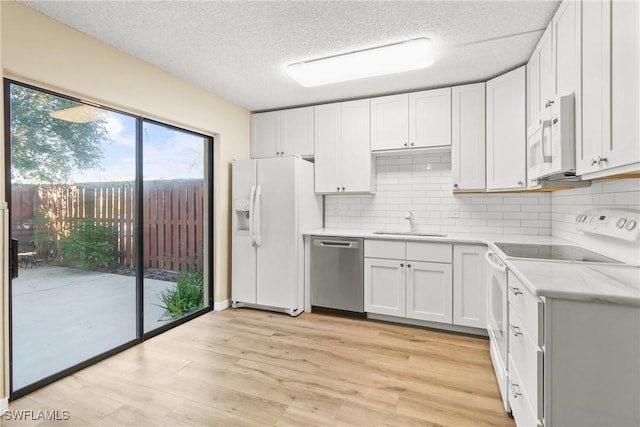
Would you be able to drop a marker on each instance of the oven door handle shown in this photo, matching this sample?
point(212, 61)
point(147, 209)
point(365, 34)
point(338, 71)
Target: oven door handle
point(499, 267)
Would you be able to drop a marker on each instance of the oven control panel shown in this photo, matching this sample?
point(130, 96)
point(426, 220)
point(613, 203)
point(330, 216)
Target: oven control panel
point(621, 224)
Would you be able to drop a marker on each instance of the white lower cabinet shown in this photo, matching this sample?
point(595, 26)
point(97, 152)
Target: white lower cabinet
point(384, 290)
point(572, 362)
point(470, 286)
point(429, 291)
point(526, 316)
point(408, 279)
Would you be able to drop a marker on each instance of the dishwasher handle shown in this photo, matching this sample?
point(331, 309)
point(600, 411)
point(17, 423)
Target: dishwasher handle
point(343, 244)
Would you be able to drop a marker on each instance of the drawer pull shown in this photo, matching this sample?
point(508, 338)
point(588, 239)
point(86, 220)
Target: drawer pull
point(515, 291)
point(515, 390)
point(515, 330)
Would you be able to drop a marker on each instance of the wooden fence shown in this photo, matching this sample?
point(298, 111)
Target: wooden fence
point(172, 219)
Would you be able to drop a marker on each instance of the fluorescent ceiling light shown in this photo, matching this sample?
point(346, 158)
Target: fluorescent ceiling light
point(79, 114)
point(394, 58)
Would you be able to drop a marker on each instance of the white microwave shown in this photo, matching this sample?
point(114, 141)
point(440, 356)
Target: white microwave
point(551, 147)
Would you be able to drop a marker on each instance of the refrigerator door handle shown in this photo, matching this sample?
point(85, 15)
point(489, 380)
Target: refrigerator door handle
point(252, 211)
point(257, 216)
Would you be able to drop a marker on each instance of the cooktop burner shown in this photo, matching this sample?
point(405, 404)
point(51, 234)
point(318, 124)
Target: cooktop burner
point(553, 252)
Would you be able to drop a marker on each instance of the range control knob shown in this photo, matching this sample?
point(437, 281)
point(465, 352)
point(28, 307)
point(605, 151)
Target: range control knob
point(621, 222)
point(631, 224)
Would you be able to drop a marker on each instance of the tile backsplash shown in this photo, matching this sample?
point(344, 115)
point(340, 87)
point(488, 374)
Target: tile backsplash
point(565, 205)
point(422, 184)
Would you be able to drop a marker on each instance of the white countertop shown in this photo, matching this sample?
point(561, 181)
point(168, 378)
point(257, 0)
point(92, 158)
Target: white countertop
point(486, 239)
point(618, 284)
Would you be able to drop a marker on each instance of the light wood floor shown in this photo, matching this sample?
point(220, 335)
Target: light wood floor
point(247, 367)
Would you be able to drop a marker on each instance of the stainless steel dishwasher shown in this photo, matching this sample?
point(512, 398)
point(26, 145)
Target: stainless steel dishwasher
point(337, 273)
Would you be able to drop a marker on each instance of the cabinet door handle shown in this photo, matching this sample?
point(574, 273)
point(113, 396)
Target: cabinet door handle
point(337, 188)
point(515, 330)
point(515, 291)
point(401, 265)
point(593, 161)
point(412, 144)
point(455, 186)
point(409, 265)
point(342, 188)
point(601, 159)
point(405, 144)
point(520, 183)
point(515, 389)
point(548, 103)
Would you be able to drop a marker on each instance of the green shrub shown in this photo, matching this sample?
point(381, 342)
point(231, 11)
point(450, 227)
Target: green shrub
point(186, 296)
point(90, 245)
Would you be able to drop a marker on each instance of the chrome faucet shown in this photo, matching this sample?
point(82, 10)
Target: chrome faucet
point(412, 220)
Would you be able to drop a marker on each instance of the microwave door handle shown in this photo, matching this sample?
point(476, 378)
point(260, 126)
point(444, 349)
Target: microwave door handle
point(545, 158)
point(493, 264)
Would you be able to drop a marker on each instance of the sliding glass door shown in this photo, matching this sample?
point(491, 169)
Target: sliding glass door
point(173, 222)
point(109, 217)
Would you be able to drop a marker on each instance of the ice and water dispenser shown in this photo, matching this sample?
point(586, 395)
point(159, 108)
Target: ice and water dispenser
point(241, 208)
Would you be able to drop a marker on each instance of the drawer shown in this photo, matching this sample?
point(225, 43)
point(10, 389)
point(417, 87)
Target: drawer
point(528, 360)
point(529, 307)
point(390, 249)
point(429, 252)
point(521, 408)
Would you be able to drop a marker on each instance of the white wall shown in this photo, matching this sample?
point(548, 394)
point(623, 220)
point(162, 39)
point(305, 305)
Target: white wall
point(422, 184)
point(565, 205)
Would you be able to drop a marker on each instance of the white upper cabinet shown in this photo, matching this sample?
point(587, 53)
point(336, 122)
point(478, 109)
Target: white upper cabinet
point(282, 133)
point(468, 137)
point(390, 122)
point(625, 89)
point(610, 98)
point(329, 148)
point(430, 118)
point(297, 132)
point(264, 135)
point(414, 120)
point(343, 162)
point(546, 75)
point(357, 167)
point(506, 131)
point(566, 48)
point(534, 121)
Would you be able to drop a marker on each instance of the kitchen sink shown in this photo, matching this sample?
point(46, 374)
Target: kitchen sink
point(411, 233)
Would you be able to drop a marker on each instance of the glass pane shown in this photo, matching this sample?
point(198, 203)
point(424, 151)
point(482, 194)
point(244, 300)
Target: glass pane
point(72, 212)
point(174, 252)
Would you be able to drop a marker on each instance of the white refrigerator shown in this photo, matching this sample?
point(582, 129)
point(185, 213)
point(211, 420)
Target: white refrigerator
point(273, 204)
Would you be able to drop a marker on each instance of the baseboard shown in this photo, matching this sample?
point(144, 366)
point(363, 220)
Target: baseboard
point(4, 405)
point(431, 325)
point(219, 306)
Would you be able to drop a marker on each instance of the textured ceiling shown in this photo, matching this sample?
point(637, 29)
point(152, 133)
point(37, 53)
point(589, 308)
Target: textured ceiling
point(239, 49)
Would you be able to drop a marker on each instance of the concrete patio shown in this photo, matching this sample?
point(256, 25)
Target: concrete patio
point(63, 316)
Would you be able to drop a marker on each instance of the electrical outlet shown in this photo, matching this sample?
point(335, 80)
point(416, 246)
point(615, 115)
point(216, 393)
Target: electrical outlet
point(454, 212)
